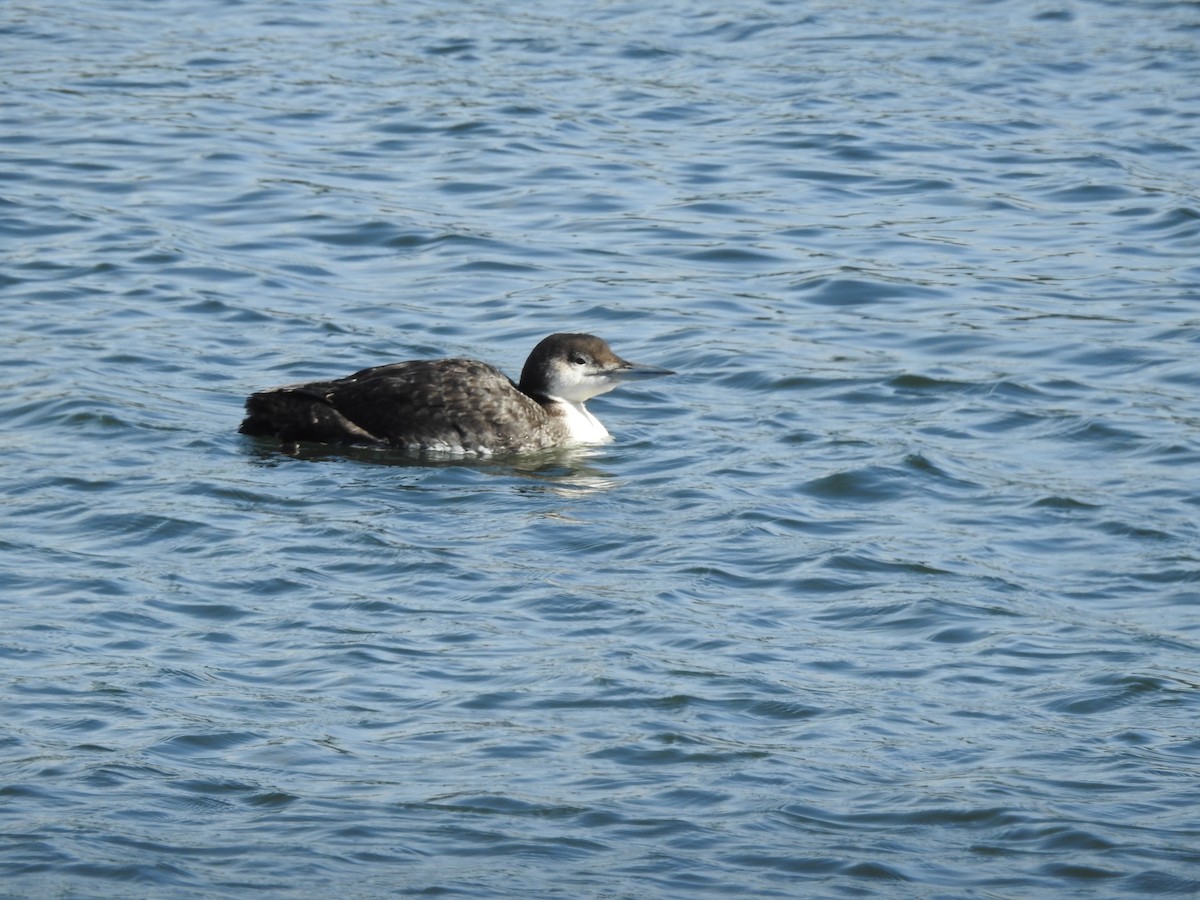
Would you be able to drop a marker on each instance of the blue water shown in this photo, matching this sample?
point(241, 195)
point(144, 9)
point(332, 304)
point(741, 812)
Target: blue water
point(894, 591)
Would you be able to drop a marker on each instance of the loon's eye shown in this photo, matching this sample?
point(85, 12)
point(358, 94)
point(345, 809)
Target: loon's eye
point(578, 360)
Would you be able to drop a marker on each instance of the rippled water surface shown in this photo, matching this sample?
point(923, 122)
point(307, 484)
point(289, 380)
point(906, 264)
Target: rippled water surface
point(893, 591)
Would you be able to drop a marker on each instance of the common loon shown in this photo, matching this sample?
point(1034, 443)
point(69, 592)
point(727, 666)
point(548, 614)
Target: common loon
point(456, 406)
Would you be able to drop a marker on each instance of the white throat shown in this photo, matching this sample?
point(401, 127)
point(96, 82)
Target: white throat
point(583, 427)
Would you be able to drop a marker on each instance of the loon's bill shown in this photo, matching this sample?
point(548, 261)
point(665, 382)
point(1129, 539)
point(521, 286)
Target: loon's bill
point(456, 406)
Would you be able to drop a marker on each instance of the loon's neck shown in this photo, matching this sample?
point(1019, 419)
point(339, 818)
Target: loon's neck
point(582, 427)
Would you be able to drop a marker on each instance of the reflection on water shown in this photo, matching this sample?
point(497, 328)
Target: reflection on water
point(567, 466)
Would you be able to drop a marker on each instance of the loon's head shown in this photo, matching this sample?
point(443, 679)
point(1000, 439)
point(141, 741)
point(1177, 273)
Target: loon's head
point(577, 367)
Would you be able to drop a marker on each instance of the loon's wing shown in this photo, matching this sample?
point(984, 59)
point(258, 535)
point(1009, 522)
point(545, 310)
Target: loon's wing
point(444, 404)
point(301, 412)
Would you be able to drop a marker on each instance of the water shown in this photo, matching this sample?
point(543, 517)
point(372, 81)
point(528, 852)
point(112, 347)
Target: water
point(891, 592)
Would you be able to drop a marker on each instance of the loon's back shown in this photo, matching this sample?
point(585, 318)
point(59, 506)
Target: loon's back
point(426, 405)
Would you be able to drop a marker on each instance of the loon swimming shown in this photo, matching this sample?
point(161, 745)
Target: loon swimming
point(457, 406)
